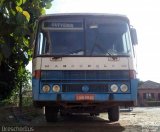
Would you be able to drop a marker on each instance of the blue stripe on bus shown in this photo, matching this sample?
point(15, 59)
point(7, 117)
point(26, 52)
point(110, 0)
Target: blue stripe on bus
point(98, 96)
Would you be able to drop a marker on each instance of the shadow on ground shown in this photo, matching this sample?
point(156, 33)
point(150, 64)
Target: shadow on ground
point(81, 123)
point(72, 123)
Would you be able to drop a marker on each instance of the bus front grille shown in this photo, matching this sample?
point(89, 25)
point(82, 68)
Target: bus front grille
point(101, 88)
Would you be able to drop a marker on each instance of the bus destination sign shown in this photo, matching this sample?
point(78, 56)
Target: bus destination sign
point(63, 25)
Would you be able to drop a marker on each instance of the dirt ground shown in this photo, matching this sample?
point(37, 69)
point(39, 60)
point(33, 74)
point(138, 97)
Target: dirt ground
point(146, 119)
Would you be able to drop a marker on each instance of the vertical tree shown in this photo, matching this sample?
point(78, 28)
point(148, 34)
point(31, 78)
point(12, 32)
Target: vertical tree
point(17, 24)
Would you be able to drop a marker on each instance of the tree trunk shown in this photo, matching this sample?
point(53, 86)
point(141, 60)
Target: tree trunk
point(20, 96)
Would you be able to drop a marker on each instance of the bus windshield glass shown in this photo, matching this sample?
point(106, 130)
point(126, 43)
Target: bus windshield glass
point(94, 37)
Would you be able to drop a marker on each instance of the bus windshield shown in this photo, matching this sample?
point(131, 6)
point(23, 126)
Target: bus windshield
point(94, 38)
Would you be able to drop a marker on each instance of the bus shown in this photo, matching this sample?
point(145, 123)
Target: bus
point(84, 63)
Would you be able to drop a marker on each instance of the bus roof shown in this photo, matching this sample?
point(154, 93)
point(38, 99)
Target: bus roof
point(71, 15)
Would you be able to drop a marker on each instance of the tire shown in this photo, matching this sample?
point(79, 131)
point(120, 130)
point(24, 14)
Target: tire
point(113, 113)
point(51, 114)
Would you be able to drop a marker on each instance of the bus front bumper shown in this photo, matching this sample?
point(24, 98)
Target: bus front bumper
point(65, 99)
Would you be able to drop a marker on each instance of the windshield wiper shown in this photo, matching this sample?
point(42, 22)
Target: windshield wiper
point(111, 55)
point(105, 52)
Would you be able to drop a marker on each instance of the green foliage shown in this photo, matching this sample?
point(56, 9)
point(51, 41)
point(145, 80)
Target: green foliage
point(27, 101)
point(17, 20)
point(13, 99)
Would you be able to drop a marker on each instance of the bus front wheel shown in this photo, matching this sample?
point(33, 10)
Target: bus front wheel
point(113, 113)
point(51, 114)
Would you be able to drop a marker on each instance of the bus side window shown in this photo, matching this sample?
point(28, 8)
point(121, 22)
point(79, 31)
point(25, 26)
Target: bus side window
point(40, 42)
point(43, 45)
point(118, 44)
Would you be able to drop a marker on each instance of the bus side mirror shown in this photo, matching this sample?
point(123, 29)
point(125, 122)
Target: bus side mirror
point(134, 36)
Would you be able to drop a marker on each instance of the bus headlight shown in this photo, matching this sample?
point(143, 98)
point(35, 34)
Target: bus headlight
point(124, 88)
point(56, 88)
point(114, 88)
point(46, 88)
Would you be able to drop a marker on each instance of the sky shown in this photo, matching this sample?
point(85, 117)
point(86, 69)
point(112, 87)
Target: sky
point(143, 15)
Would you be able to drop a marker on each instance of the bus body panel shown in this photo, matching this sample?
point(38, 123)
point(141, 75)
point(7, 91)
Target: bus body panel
point(83, 63)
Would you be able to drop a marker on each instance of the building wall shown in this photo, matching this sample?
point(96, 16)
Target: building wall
point(147, 95)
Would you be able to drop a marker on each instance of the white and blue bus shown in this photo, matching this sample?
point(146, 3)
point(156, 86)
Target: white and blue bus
point(84, 63)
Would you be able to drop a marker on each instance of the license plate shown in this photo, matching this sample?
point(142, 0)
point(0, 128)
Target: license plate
point(81, 97)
